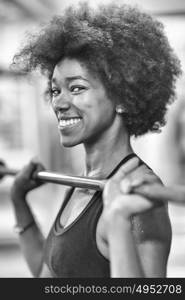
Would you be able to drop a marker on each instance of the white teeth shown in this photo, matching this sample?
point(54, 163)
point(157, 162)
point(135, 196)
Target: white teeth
point(65, 123)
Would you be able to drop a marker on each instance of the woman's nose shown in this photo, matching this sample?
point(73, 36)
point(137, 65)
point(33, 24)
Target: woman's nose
point(62, 102)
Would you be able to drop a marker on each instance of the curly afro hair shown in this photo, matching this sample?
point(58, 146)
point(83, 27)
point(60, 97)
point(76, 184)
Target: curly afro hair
point(125, 47)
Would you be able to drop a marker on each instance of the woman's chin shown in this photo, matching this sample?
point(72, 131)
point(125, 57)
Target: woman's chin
point(68, 142)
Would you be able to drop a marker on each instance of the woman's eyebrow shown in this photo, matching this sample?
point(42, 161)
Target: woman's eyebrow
point(71, 78)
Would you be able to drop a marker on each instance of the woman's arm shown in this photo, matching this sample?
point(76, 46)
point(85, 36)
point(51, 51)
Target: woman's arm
point(152, 233)
point(139, 248)
point(123, 253)
point(31, 239)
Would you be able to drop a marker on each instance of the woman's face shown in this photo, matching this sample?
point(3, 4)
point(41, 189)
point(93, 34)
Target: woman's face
point(80, 102)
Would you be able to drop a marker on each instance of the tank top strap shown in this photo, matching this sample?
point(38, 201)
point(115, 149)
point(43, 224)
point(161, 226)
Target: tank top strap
point(96, 194)
point(123, 161)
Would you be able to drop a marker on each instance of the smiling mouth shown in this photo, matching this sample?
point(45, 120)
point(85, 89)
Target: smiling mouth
point(63, 123)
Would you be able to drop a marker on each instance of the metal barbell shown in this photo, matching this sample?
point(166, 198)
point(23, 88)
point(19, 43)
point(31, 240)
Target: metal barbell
point(46, 176)
point(155, 192)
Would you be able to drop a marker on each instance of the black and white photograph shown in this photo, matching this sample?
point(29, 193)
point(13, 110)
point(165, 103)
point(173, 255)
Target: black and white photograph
point(92, 139)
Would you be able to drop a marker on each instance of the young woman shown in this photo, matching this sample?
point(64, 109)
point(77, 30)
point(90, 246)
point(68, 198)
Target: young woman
point(111, 75)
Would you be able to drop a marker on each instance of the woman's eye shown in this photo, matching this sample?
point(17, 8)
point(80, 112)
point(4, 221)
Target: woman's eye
point(55, 92)
point(77, 89)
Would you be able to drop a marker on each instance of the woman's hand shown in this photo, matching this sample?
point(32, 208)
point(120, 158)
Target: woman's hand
point(132, 253)
point(24, 180)
point(118, 195)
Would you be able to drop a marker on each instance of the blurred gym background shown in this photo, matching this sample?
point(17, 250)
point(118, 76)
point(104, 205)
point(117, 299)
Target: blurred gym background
point(28, 128)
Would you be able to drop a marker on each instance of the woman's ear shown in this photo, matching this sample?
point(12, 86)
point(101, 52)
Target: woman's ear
point(120, 109)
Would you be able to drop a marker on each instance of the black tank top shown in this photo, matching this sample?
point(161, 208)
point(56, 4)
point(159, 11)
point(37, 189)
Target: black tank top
point(72, 252)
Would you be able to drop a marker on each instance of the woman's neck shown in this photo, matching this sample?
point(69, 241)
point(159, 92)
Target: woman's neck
point(105, 154)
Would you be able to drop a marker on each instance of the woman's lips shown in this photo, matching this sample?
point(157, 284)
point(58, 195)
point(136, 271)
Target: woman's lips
point(68, 122)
